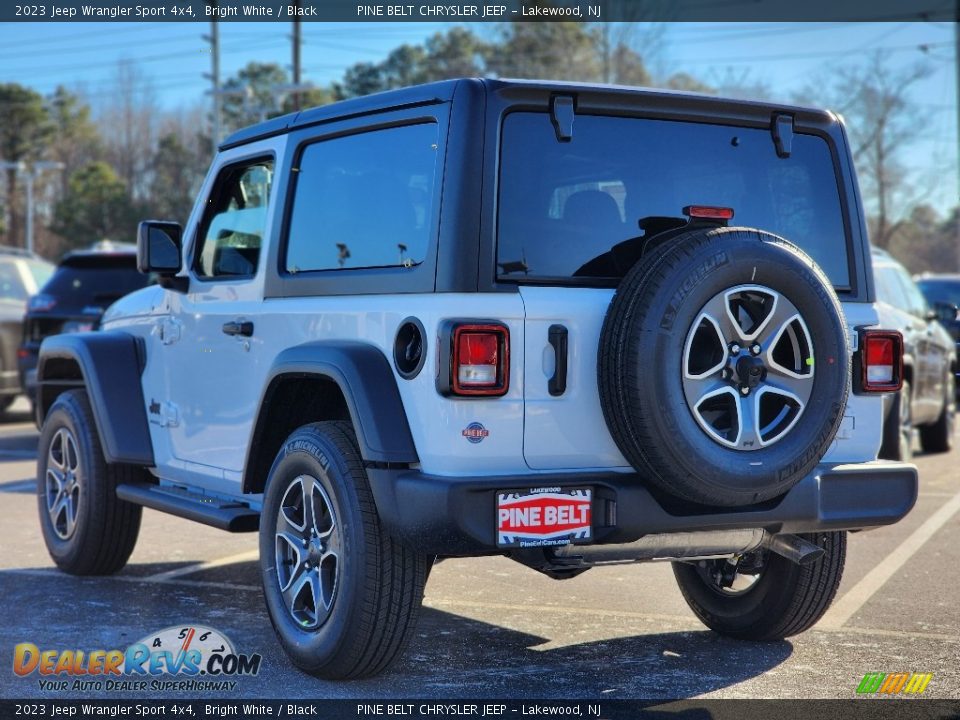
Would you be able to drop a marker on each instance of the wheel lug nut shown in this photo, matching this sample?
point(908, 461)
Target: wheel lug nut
point(755, 348)
point(727, 372)
point(734, 349)
point(744, 390)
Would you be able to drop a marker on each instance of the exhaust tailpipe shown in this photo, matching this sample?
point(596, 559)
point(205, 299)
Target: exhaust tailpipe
point(795, 549)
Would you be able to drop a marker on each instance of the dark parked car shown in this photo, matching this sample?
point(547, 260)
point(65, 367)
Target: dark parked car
point(927, 399)
point(943, 294)
point(21, 273)
point(85, 283)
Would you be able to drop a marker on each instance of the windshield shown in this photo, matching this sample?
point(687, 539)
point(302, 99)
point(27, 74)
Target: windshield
point(564, 205)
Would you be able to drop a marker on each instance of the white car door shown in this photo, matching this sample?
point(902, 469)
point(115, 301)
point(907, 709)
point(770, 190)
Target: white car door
point(213, 362)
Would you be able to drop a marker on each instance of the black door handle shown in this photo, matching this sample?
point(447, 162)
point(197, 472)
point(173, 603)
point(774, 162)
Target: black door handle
point(244, 328)
point(557, 337)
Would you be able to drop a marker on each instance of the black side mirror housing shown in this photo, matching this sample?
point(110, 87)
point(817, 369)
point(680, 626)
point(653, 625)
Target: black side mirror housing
point(159, 250)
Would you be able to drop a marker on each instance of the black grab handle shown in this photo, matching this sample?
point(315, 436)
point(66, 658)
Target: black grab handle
point(557, 337)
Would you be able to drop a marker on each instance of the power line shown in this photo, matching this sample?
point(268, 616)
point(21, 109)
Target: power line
point(96, 48)
point(54, 39)
point(919, 47)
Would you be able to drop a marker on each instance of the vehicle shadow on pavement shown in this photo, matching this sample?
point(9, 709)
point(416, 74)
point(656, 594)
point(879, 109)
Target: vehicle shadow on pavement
point(492, 660)
point(450, 656)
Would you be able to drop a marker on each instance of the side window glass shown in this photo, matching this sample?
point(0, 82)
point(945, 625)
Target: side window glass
point(364, 200)
point(915, 302)
point(234, 222)
point(888, 287)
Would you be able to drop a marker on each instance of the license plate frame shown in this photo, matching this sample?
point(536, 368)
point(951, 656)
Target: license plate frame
point(544, 516)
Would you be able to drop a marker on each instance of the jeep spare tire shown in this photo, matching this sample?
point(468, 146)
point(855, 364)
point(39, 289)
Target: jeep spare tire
point(723, 366)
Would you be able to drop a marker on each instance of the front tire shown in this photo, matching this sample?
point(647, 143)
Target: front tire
point(783, 598)
point(88, 530)
point(343, 595)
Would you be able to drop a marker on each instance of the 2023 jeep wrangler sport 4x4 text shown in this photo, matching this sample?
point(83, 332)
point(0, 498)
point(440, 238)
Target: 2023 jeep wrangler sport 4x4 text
point(494, 317)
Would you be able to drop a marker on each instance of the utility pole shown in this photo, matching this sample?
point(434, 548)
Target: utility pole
point(296, 56)
point(30, 172)
point(214, 39)
point(956, 60)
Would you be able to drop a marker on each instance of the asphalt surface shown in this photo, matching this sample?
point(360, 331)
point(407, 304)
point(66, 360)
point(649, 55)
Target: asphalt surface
point(494, 629)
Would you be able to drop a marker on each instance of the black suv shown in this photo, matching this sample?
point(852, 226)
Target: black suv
point(73, 299)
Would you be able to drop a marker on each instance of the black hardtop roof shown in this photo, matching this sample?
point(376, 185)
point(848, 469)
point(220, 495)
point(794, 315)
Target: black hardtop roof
point(443, 91)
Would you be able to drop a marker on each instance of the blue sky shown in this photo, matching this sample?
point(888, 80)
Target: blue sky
point(785, 57)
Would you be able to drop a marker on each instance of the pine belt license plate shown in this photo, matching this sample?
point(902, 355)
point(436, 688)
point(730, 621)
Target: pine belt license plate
point(537, 517)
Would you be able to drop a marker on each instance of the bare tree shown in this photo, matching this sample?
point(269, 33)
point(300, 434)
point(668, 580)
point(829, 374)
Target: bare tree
point(881, 122)
point(128, 123)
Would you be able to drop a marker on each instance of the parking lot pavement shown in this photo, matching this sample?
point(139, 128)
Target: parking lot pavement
point(492, 628)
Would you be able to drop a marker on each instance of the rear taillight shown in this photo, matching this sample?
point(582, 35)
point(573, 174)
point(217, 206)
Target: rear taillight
point(479, 360)
point(881, 361)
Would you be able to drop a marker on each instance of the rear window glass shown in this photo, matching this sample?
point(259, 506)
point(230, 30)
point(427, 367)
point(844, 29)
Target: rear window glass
point(941, 291)
point(564, 205)
point(95, 285)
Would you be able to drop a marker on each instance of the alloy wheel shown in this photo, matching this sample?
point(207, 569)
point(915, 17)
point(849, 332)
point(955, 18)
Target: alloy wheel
point(63, 484)
point(748, 367)
point(308, 550)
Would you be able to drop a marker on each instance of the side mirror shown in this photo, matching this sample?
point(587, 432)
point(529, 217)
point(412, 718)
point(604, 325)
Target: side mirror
point(946, 312)
point(158, 248)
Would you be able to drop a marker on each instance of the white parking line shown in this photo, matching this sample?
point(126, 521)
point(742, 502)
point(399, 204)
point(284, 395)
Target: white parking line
point(18, 486)
point(199, 567)
point(848, 605)
point(52, 573)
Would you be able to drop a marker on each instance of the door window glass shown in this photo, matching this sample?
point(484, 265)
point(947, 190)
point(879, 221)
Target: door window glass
point(235, 221)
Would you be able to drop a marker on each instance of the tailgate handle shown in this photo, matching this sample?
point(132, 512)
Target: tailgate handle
point(557, 337)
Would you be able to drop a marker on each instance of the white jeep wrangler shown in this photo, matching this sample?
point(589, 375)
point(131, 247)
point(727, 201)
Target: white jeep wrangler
point(494, 317)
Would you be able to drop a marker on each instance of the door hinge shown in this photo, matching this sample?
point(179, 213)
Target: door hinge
point(168, 330)
point(164, 414)
point(782, 130)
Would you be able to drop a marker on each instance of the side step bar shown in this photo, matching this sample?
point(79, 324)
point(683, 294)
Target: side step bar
point(216, 512)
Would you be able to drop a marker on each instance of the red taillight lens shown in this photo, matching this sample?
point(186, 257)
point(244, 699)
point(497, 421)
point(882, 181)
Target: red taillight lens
point(708, 212)
point(882, 361)
point(480, 360)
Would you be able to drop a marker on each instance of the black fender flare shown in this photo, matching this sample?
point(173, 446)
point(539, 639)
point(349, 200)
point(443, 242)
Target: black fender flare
point(364, 376)
point(110, 364)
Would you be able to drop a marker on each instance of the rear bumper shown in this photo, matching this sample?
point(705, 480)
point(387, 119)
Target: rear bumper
point(457, 515)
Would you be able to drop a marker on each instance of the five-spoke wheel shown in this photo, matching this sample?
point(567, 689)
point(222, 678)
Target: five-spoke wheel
point(307, 551)
point(748, 367)
point(62, 484)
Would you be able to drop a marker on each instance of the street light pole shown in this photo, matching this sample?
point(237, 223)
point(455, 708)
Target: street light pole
point(30, 173)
